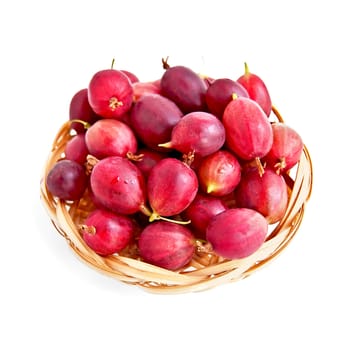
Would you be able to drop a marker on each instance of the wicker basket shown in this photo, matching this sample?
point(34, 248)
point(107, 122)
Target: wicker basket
point(206, 270)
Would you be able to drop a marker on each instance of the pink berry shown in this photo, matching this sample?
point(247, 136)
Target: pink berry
point(268, 194)
point(237, 233)
point(219, 94)
point(118, 185)
point(80, 109)
point(201, 211)
point(67, 180)
point(110, 93)
point(110, 137)
point(166, 245)
point(198, 132)
point(185, 87)
point(286, 149)
point(172, 186)
point(153, 117)
point(76, 149)
point(107, 233)
point(256, 89)
point(248, 131)
point(219, 173)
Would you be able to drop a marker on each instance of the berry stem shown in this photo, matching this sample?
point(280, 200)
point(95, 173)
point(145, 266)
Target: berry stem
point(234, 96)
point(91, 161)
point(91, 230)
point(84, 123)
point(280, 165)
point(134, 157)
point(210, 188)
point(166, 144)
point(246, 69)
point(260, 166)
point(165, 63)
point(155, 216)
point(204, 246)
point(112, 65)
point(144, 210)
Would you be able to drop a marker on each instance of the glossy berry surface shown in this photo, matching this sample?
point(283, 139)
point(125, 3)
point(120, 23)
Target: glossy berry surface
point(107, 233)
point(67, 180)
point(219, 173)
point(267, 193)
point(166, 245)
point(237, 233)
point(172, 186)
point(110, 93)
point(185, 87)
point(118, 185)
point(198, 132)
point(110, 137)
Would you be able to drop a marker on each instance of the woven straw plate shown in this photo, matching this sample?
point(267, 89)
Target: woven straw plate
point(206, 270)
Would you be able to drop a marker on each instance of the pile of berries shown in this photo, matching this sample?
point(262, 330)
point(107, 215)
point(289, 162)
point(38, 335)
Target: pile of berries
point(176, 161)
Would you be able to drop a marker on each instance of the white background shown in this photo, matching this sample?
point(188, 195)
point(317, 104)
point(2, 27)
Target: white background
point(49, 50)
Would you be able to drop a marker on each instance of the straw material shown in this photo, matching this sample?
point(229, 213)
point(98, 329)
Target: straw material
point(206, 270)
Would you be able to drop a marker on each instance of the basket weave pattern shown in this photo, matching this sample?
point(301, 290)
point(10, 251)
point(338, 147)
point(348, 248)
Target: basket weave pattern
point(206, 270)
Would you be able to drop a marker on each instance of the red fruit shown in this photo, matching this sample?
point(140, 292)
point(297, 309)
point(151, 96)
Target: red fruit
point(201, 211)
point(219, 94)
point(167, 245)
point(67, 180)
point(107, 233)
point(110, 93)
point(256, 89)
point(198, 132)
point(132, 77)
point(118, 185)
point(110, 137)
point(286, 148)
point(153, 118)
point(185, 87)
point(80, 109)
point(76, 149)
point(219, 173)
point(237, 233)
point(248, 131)
point(144, 88)
point(268, 194)
point(172, 186)
point(148, 160)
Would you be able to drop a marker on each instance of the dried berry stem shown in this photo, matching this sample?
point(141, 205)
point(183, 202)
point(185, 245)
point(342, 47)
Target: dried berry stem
point(114, 103)
point(280, 165)
point(259, 166)
point(203, 246)
point(165, 63)
point(134, 157)
point(188, 158)
point(91, 161)
point(91, 230)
